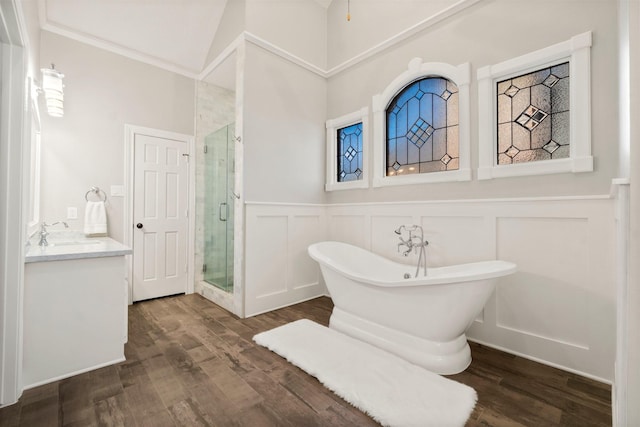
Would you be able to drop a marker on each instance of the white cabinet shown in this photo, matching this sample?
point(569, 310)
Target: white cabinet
point(75, 317)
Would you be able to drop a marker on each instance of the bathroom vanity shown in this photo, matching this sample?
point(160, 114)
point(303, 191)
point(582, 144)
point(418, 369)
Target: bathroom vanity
point(75, 307)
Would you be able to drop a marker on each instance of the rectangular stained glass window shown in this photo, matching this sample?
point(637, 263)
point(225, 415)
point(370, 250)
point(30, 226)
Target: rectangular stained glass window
point(422, 128)
point(533, 116)
point(349, 140)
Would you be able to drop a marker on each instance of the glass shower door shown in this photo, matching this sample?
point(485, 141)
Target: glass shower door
point(218, 205)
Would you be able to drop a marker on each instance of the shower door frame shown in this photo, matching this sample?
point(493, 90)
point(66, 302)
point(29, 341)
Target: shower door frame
point(237, 302)
point(228, 200)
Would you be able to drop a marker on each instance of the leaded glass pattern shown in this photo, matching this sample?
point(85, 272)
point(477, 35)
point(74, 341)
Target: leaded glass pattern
point(349, 140)
point(533, 116)
point(422, 128)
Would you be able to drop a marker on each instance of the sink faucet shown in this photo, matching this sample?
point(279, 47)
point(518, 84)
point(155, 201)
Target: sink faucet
point(44, 233)
point(414, 241)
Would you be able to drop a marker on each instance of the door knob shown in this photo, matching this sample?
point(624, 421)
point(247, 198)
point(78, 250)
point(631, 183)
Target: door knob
point(139, 225)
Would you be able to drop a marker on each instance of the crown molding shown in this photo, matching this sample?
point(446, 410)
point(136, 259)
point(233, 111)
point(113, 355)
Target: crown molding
point(327, 73)
point(402, 36)
point(218, 60)
point(81, 37)
point(324, 3)
point(254, 39)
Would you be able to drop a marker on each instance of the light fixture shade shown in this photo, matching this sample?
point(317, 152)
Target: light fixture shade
point(53, 91)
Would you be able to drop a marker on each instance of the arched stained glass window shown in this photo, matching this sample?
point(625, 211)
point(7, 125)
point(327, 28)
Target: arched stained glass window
point(422, 128)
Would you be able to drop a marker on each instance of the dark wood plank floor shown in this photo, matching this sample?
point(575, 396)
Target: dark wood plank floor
point(191, 363)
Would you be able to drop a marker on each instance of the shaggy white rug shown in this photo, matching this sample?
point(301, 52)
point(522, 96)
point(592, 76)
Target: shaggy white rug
point(391, 390)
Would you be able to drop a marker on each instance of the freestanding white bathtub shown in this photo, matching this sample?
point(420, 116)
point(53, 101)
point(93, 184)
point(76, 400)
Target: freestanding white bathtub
point(423, 319)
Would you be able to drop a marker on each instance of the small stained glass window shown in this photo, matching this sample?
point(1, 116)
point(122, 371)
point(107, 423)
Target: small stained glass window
point(349, 141)
point(533, 116)
point(422, 128)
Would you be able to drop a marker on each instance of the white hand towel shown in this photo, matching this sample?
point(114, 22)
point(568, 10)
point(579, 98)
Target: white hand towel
point(95, 219)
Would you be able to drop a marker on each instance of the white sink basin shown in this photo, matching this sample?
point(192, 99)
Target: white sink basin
point(76, 242)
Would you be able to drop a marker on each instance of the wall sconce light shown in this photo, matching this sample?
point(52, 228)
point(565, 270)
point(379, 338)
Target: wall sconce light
point(52, 87)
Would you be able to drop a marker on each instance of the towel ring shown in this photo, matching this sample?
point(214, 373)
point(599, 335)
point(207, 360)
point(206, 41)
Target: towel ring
point(97, 192)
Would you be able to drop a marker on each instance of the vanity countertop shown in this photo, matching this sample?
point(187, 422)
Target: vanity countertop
point(75, 247)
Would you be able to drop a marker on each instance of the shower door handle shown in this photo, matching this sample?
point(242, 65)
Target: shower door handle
point(220, 211)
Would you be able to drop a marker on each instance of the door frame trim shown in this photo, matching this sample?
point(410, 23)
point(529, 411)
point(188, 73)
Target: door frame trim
point(130, 131)
point(15, 121)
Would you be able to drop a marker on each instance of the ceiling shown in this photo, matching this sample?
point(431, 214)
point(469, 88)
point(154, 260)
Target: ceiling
point(172, 34)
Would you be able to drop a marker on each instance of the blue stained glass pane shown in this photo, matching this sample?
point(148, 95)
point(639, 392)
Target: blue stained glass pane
point(391, 151)
point(401, 121)
point(353, 141)
point(349, 153)
point(401, 151)
point(391, 126)
point(408, 93)
point(426, 108)
point(433, 85)
point(413, 111)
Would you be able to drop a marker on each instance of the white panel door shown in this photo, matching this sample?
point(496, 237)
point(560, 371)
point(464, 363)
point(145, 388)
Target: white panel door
point(159, 217)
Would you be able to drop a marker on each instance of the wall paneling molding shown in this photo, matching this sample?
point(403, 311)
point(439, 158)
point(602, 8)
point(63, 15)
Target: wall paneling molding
point(558, 309)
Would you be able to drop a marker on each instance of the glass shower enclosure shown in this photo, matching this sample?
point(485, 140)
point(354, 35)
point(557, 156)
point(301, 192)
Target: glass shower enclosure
point(219, 154)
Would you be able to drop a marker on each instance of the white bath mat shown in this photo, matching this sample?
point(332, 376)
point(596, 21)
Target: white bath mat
point(391, 390)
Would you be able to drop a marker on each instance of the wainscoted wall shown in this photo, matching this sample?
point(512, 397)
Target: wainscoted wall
point(559, 308)
point(278, 270)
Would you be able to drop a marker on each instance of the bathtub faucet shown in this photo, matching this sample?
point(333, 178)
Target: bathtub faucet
point(407, 244)
point(415, 240)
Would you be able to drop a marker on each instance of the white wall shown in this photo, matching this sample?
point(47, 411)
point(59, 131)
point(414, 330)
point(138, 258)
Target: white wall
point(30, 15)
point(484, 34)
point(283, 135)
point(231, 26)
point(372, 22)
point(560, 229)
point(85, 148)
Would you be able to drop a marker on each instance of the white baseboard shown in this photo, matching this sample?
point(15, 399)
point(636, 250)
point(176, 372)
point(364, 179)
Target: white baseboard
point(71, 374)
